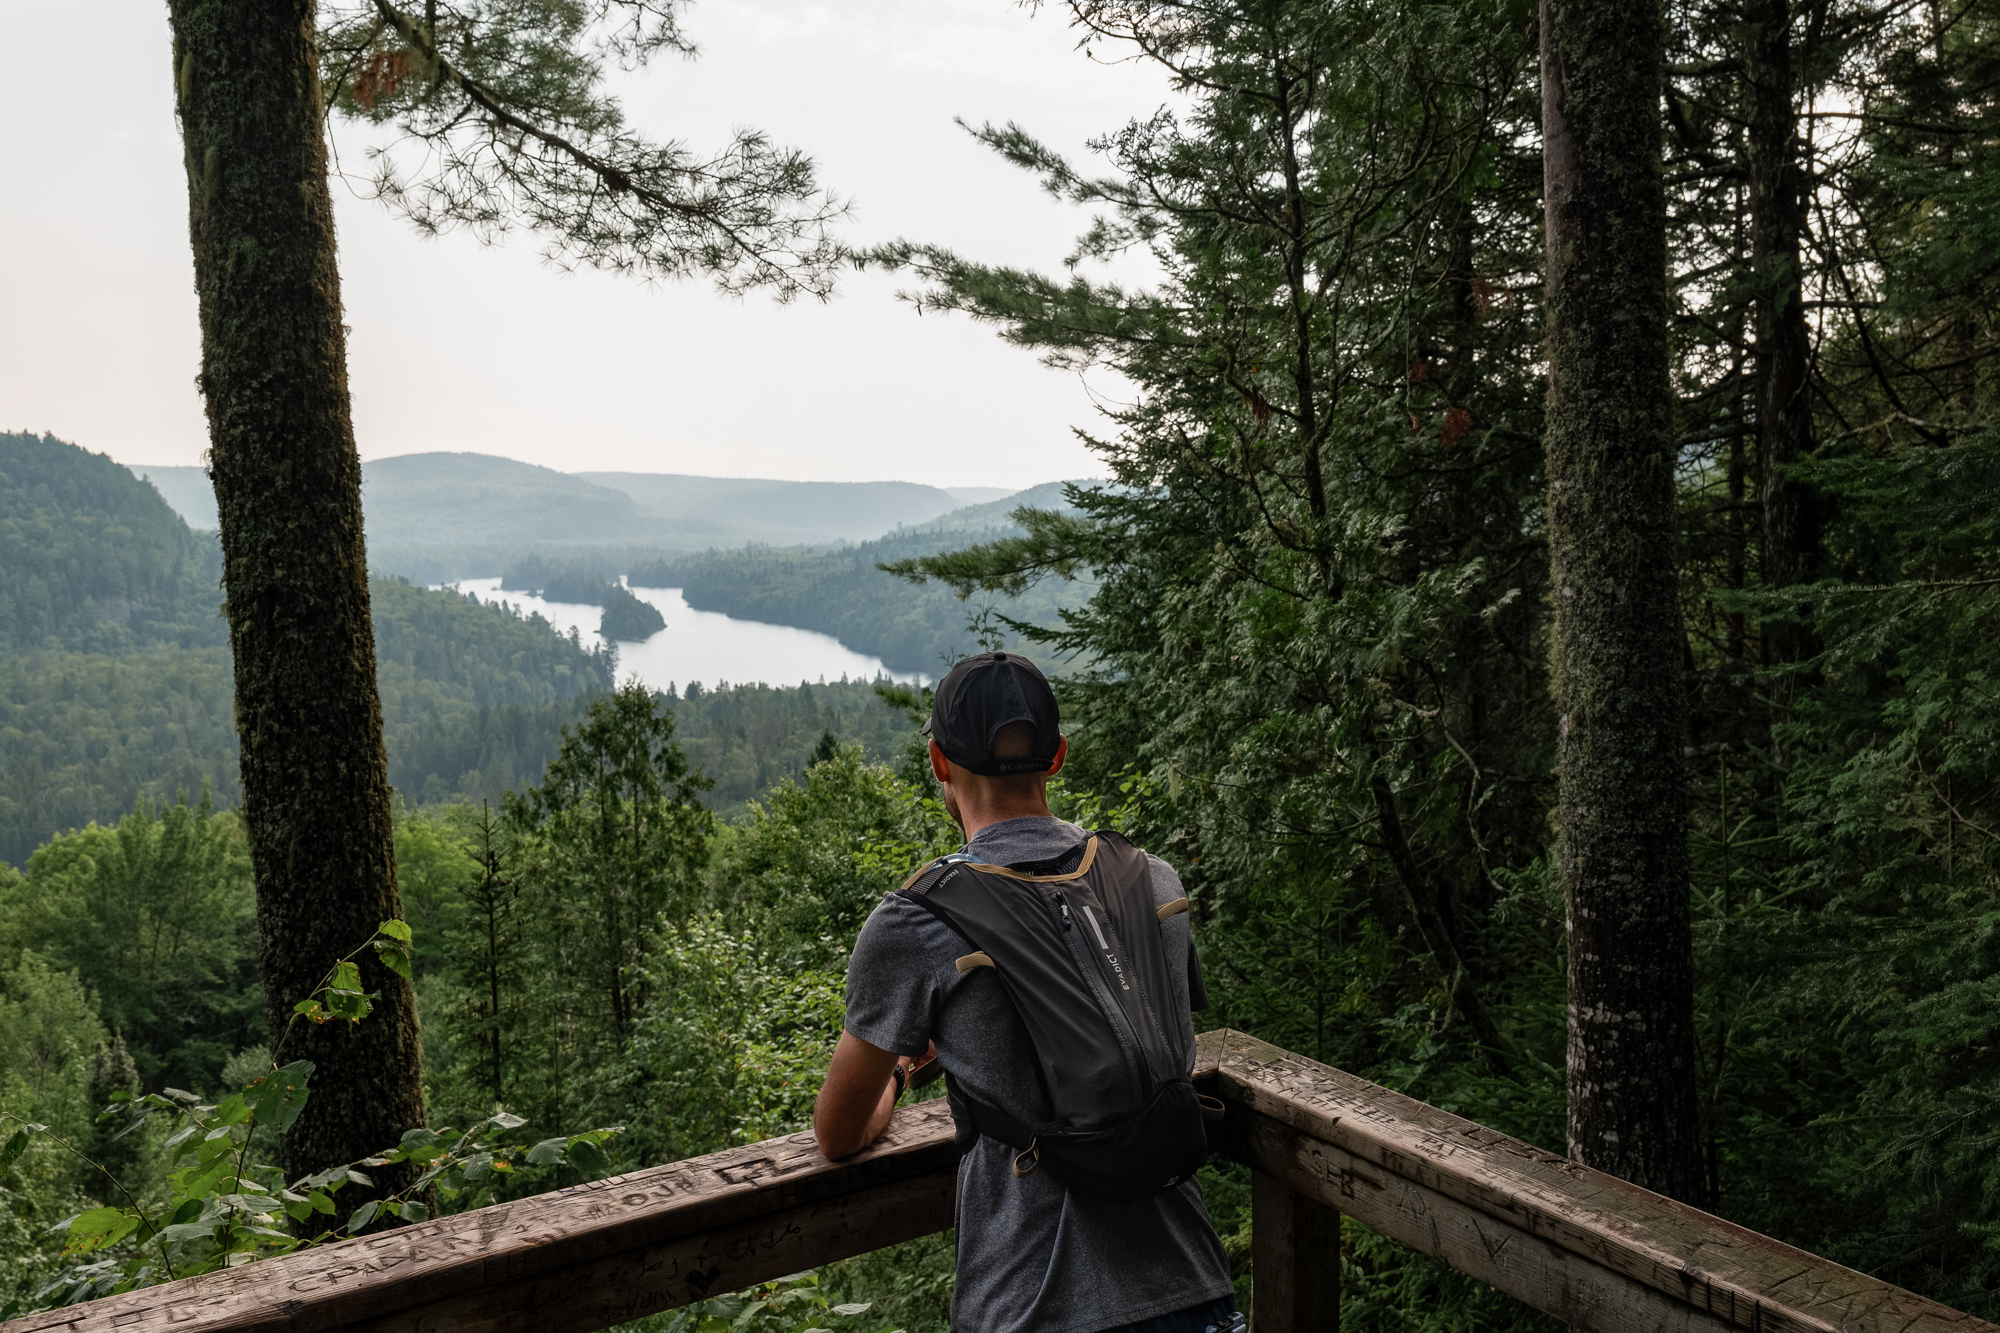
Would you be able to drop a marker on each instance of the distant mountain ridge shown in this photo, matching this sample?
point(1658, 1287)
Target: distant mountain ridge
point(792, 512)
point(996, 514)
point(485, 509)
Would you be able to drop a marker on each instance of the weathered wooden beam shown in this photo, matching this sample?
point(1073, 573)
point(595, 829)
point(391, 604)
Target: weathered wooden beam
point(1597, 1252)
point(1589, 1248)
point(1585, 1295)
point(624, 1286)
point(1294, 1259)
point(581, 1258)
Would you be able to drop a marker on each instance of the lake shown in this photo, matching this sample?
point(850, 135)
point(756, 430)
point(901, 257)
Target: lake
point(705, 645)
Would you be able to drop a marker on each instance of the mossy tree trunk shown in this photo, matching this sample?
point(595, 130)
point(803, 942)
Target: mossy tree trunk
point(1620, 695)
point(288, 489)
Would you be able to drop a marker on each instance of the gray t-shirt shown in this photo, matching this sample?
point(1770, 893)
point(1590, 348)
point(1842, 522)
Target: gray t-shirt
point(1031, 1259)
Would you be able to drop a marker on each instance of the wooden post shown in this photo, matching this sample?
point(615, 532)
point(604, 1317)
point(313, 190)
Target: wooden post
point(1294, 1260)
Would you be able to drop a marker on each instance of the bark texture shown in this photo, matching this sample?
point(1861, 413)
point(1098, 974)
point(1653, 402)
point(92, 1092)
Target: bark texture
point(1790, 539)
point(288, 488)
point(1620, 694)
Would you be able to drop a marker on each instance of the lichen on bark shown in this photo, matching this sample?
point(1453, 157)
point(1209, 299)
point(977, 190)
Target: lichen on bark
point(1617, 632)
point(287, 481)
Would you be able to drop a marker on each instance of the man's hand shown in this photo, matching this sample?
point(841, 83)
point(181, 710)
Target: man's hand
point(858, 1097)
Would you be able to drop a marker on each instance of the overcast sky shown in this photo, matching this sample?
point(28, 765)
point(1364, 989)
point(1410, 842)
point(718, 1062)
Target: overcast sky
point(460, 346)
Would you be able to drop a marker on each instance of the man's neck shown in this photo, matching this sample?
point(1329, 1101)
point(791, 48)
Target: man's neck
point(975, 821)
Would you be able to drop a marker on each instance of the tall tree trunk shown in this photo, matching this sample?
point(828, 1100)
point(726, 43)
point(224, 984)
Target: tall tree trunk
point(288, 489)
point(1620, 691)
point(1791, 508)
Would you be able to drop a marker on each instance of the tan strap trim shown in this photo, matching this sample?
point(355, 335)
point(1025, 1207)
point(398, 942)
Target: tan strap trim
point(1083, 866)
point(917, 874)
point(1174, 908)
point(972, 960)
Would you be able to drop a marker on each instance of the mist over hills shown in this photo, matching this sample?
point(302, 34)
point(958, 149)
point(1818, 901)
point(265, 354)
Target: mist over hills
point(445, 515)
point(778, 512)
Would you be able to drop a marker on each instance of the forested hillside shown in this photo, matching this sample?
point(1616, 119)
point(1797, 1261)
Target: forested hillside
point(473, 704)
point(93, 559)
point(83, 735)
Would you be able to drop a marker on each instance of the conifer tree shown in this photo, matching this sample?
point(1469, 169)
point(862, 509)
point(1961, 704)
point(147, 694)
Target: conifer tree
point(516, 128)
point(1620, 699)
point(288, 491)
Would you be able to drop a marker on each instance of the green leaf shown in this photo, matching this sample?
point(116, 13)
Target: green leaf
point(850, 1310)
point(208, 1180)
point(585, 1155)
point(346, 977)
point(505, 1120)
point(395, 960)
point(548, 1152)
point(415, 1212)
point(98, 1227)
point(182, 1232)
point(397, 930)
point(361, 1217)
point(15, 1146)
point(278, 1097)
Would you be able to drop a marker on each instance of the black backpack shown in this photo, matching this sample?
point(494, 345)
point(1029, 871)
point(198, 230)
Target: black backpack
point(1081, 957)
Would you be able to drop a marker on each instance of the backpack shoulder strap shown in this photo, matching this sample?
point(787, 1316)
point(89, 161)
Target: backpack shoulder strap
point(954, 858)
point(1082, 869)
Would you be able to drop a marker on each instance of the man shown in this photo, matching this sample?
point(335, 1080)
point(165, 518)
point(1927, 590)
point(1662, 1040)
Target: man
point(1032, 1256)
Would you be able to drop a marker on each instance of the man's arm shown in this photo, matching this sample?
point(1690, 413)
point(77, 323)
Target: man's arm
point(857, 1099)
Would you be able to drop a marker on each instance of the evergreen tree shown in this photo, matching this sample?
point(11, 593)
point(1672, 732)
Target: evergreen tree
point(509, 109)
point(1319, 570)
point(288, 494)
point(1620, 699)
point(487, 960)
point(614, 836)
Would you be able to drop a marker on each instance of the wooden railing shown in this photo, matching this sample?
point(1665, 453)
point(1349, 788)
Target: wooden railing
point(1591, 1250)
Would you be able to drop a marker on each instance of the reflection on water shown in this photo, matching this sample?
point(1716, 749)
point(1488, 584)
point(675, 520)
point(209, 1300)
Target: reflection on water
point(704, 645)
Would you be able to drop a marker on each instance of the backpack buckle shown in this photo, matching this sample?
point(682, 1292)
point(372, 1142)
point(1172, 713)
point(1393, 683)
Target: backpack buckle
point(1032, 1155)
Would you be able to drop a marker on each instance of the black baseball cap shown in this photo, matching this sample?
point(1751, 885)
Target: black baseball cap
point(984, 693)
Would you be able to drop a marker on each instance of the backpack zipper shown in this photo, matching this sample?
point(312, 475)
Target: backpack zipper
point(1121, 1022)
point(1096, 929)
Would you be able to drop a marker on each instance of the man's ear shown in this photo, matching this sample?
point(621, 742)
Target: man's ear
point(1062, 753)
point(940, 766)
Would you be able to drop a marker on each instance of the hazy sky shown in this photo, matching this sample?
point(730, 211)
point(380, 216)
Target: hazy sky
point(460, 346)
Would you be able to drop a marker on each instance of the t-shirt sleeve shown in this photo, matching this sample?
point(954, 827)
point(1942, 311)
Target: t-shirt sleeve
point(892, 985)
